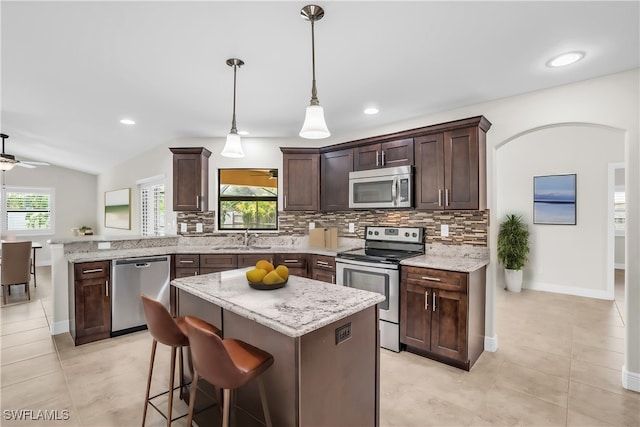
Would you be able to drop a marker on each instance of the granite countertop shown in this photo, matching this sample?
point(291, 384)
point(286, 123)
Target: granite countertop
point(302, 306)
point(450, 263)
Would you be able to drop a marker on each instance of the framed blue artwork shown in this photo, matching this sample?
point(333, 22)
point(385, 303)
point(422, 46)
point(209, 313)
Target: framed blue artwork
point(554, 199)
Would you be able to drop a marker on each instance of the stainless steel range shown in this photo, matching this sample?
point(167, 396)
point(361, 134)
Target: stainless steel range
point(377, 268)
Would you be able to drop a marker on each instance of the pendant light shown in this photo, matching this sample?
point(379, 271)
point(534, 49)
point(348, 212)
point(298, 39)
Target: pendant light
point(233, 146)
point(314, 126)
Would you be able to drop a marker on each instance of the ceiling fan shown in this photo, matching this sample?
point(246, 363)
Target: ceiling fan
point(8, 161)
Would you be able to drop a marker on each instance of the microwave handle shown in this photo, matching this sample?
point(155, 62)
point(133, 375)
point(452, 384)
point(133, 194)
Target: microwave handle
point(394, 190)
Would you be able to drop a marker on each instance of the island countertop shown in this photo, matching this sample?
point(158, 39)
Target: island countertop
point(301, 306)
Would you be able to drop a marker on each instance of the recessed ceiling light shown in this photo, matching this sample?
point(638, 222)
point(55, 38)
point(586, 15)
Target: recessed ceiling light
point(565, 59)
point(371, 110)
point(127, 122)
point(243, 132)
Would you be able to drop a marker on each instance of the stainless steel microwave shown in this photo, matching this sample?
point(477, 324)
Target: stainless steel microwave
point(381, 188)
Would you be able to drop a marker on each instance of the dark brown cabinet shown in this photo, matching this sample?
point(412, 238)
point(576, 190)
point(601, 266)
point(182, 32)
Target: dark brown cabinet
point(295, 262)
point(451, 170)
point(384, 155)
point(334, 179)
point(250, 260)
point(301, 176)
point(91, 304)
point(190, 179)
point(442, 314)
point(186, 265)
point(323, 268)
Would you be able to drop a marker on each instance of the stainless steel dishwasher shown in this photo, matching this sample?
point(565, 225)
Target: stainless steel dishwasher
point(131, 278)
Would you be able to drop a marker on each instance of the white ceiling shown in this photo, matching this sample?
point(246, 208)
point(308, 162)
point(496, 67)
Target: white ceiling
point(72, 70)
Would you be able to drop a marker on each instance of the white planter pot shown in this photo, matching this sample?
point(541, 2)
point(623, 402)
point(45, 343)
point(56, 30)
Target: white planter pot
point(513, 279)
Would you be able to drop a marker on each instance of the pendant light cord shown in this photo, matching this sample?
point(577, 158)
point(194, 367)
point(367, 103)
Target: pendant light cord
point(314, 92)
point(233, 119)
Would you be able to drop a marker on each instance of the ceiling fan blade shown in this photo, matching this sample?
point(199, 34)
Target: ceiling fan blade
point(36, 163)
point(25, 165)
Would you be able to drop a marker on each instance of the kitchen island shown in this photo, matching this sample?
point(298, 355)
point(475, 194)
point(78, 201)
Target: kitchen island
point(324, 339)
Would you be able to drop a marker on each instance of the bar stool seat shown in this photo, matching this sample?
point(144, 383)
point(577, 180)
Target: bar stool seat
point(225, 363)
point(171, 332)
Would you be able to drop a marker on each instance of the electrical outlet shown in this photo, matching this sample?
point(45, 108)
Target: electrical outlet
point(444, 230)
point(183, 227)
point(312, 225)
point(199, 227)
point(104, 245)
point(343, 333)
point(352, 227)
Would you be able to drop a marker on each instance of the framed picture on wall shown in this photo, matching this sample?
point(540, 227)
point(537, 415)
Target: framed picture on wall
point(117, 209)
point(554, 199)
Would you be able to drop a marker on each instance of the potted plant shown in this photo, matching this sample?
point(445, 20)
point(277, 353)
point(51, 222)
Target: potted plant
point(513, 250)
point(85, 231)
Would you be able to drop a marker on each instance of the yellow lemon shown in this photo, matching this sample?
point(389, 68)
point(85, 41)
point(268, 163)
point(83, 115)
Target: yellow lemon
point(256, 275)
point(282, 271)
point(272, 278)
point(265, 265)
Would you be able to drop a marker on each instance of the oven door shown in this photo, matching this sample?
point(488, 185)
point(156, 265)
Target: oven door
point(374, 277)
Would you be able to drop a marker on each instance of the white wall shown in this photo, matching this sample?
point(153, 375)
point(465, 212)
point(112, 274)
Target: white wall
point(75, 200)
point(564, 258)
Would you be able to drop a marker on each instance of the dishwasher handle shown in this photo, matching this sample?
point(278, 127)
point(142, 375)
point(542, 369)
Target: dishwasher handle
point(144, 262)
point(143, 265)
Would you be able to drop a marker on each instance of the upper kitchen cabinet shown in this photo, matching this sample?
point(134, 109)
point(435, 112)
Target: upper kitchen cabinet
point(451, 167)
point(334, 179)
point(384, 155)
point(190, 179)
point(301, 178)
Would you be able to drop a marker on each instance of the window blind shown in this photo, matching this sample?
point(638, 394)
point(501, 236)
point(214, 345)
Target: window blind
point(152, 209)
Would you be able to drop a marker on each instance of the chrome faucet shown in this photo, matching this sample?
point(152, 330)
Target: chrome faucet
point(247, 237)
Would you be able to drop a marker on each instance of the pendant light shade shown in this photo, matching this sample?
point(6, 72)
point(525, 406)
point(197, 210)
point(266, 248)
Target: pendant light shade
point(314, 126)
point(233, 145)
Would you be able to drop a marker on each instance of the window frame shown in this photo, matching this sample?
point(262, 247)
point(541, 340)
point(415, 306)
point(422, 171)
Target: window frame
point(149, 184)
point(50, 191)
point(244, 199)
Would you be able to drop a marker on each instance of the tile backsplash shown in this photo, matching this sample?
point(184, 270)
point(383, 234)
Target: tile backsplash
point(465, 227)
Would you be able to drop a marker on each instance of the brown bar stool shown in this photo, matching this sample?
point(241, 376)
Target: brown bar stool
point(225, 363)
point(171, 332)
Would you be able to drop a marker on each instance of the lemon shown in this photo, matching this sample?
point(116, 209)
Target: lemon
point(272, 278)
point(265, 265)
point(256, 275)
point(282, 271)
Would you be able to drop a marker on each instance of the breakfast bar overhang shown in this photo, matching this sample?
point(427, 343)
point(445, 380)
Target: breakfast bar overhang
point(324, 339)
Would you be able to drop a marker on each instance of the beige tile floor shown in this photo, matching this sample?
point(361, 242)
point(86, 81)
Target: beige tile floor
point(558, 364)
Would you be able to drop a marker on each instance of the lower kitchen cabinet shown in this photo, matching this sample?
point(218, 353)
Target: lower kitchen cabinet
point(91, 306)
point(250, 260)
point(323, 268)
point(296, 263)
point(213, 263)
point(186, 265)
point(442, 314)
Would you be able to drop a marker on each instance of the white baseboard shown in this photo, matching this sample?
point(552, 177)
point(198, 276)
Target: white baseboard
point(491, 343)
point(618, 266)
point(630, 380)
point(59, 327)
point(569, 290)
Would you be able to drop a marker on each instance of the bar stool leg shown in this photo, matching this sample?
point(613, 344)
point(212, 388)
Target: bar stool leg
point(263, 399)
point(146, 398)
point(192, 398)
point(181, 372)
point(226, 397)
point(171, 379)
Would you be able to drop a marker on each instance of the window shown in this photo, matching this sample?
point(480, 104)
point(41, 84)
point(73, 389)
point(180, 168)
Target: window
point(29, 211)
point(248, 198)
point(619, 212)
point(152, 207)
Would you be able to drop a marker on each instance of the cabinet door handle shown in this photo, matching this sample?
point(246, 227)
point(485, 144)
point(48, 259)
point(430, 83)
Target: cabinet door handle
point(433, 279)
point(383, 157)
point(439, 197)
point(433, 295)
point(290, 261)
point(95, 270)
point(426, 300)
point(106, 287)
point(325, 263)
point(446, 197)
point(377, 160)
point(186, 261)
point(333, 279)
point(285, 201)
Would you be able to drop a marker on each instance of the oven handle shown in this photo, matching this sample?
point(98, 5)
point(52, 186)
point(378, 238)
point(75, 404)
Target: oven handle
point(367, 266)
point(394, 191)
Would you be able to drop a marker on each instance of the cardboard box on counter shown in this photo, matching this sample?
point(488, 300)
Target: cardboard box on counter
point(323, 238)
